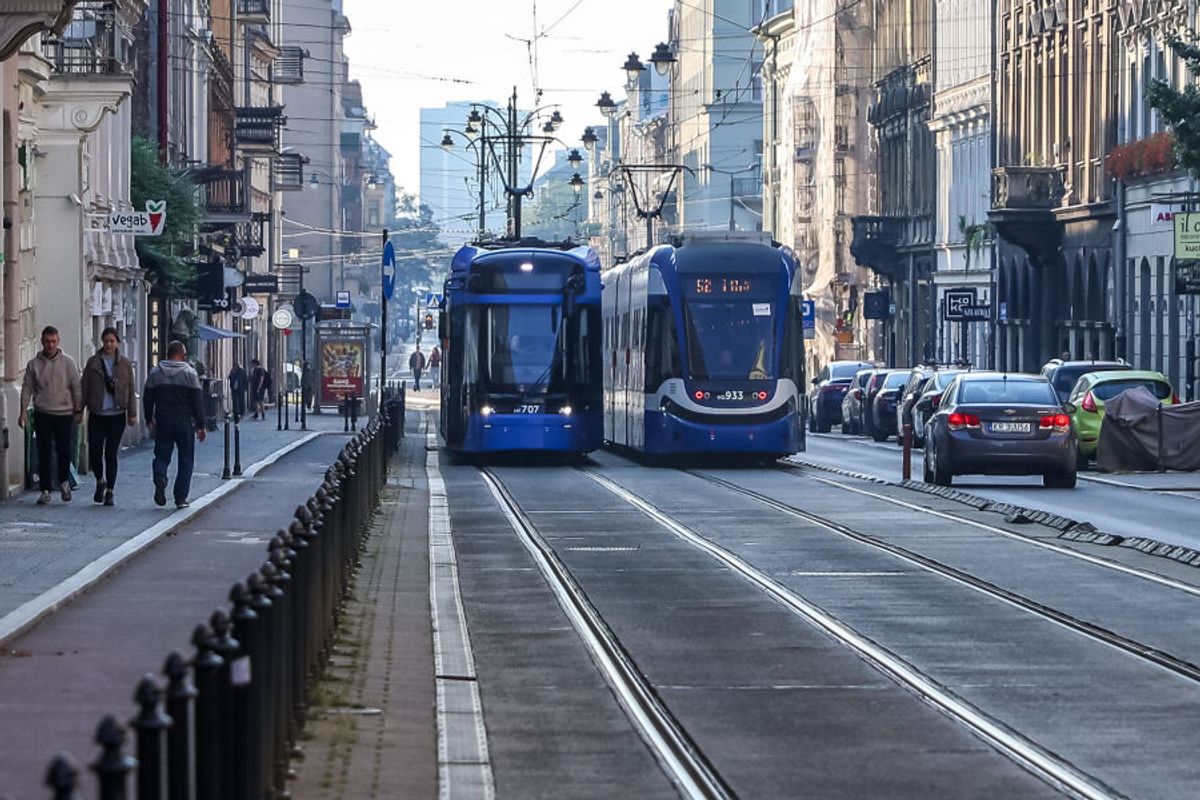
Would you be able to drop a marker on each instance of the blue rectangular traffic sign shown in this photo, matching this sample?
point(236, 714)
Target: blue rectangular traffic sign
point(808, 311)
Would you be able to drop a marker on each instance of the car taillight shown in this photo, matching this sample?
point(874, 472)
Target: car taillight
point(832, 387)
point(959, 421)
point(1175, 398)
point(1059, 422)
point(1089, 403)
point(935, 401)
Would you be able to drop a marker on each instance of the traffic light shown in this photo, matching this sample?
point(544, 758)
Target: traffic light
point(428, 322)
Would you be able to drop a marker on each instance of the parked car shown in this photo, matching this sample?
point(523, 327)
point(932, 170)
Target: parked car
point(870, 389)
point(1094, 389)
point(1064, 374)
point(829, 387)
point(912, 392)
point(1000, 424)
point(882, 410)
point(929, 396)
point(852, 403)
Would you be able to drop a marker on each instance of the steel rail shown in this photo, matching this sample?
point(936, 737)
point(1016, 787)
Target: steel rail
point(686, 767)
point(1098, 561)
point(1047, 765)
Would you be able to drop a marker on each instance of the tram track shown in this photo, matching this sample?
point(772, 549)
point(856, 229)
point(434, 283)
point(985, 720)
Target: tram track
point(686, 766)
point(1051, 546)
point(1040, 761)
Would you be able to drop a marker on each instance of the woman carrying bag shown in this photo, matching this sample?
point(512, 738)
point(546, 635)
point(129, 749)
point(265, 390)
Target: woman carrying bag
point(108, 394)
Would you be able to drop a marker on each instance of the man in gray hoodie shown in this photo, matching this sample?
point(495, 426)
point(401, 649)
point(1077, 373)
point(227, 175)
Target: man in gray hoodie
point(52, 383)
point(175, 413)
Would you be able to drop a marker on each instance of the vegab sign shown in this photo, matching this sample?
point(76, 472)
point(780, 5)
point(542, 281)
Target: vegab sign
point(1187, 253)
point(140, 223)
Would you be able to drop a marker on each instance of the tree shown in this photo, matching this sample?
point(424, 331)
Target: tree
point(166, 258)
point(1181, 109)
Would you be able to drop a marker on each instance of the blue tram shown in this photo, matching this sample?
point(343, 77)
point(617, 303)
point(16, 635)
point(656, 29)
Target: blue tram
point(522, 365)
point(704, 348)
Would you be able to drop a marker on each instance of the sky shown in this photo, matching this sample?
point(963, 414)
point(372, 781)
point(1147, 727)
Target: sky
point(410, 55)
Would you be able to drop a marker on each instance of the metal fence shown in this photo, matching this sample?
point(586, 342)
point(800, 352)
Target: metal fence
point(222, 725)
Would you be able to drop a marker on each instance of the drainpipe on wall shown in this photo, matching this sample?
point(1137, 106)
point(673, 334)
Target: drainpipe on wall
point(13, 446)
point(1121, 310)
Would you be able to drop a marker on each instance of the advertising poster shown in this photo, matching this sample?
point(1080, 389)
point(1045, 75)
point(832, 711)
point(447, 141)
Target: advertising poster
point(343, 369)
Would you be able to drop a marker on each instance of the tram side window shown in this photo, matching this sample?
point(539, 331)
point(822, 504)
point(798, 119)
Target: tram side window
point(588, 359)
point(662, 349)
point(793, 344)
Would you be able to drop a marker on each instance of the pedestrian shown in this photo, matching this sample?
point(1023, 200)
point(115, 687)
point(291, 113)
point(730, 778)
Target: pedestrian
point(416, 362)
point(260, 385)
point(435, 366)
point(175, 415)
point(239, 382)
point(52, 384)
point(110, 399)
point(308, 385)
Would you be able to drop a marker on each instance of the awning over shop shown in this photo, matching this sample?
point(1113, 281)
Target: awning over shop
point(208, 333)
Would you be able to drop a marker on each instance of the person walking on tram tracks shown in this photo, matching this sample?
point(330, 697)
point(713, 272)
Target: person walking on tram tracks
point(416, 362)
point(110, 399)
point(260, 385)
point(239, 382)
point(435, 366)
point(175, 415)
point(52, 384)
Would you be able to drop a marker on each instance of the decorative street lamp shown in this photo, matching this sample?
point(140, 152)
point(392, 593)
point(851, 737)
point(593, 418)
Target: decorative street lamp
point(576, 183)
point(447, 143)
point(663, 58)
point(556, 120)
point(633, 70)
point(575, 158)
point(606, 105)
point(589, 139)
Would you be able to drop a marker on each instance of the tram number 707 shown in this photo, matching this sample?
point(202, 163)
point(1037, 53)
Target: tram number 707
point(528, 409)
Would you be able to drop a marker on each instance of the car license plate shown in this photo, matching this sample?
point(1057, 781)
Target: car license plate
point(1010, 427)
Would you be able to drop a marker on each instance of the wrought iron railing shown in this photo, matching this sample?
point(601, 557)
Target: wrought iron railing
point(95, 42)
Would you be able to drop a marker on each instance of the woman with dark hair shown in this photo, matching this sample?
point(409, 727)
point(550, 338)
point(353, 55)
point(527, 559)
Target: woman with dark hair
point(108, 395)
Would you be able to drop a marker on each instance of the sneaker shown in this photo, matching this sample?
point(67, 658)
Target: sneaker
point(160, 494)
point(44, 498)
point(108, 497)
point(65, 491)
point(182, 504)
point(98, 497)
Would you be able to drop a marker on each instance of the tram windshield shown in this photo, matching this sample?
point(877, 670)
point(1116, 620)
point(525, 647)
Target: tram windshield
point(523, 347)
point(730, 321)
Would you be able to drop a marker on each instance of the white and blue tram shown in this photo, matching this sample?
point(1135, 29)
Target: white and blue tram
point(704, 348)
point(522, 366)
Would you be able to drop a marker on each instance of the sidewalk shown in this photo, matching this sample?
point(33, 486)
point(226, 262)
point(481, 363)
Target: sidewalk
point(82, 662)
point(41, 547)
point(372, 730)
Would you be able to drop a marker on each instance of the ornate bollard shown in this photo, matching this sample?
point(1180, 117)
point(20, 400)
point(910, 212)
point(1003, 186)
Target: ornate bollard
point(112, 768)
point(227, 648)
point(237, 448)
point(209, 668)
point(243, 695)
point(151, 725)
point(181, 698)
point(62, 778)
point(225, 471)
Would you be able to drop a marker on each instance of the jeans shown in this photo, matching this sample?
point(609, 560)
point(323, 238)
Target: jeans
point(169, 435)
point(53, 433)
point(417, 379)
point(239, 403)
point(104, 432)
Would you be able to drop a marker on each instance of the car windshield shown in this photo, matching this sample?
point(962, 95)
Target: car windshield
point(942, 379)
point(1065, 377)
point(843, 372)
point(1107, 390)
point(1002, 391)
point(522, 346)
point(895, 380)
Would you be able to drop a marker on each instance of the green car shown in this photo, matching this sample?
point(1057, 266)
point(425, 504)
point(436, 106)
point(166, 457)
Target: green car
point(1094, 389)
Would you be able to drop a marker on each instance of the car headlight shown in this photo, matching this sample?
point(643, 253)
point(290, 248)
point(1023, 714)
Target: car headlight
point(565, 411)
point(486, 411)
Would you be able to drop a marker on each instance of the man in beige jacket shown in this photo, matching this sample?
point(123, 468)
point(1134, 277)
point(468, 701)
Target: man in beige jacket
point(52, 383)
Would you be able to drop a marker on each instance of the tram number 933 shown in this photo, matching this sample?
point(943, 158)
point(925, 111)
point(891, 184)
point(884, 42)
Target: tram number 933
point(732, 394)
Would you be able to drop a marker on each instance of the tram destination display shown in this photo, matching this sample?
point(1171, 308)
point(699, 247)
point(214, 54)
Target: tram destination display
point(721, 285)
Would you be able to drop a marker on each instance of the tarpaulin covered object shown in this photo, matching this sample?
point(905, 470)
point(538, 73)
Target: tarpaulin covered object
point(1139, 433)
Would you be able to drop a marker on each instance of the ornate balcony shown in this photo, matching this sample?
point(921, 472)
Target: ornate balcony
point(254, 12)
point(226, 199)
point(1023, 204)
point(289, 66)
point(26, 19)
point(94, 43)
point(256, 129)
point(875, 241)
point(289, 172)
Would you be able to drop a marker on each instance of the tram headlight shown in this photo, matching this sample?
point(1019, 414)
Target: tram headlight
point(565, 411)
point(486, 411)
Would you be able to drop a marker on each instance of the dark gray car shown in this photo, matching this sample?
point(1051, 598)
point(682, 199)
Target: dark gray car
point(1000, 424)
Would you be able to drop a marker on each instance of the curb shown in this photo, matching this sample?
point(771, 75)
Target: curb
point(1068, 529)
point(30, 613)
